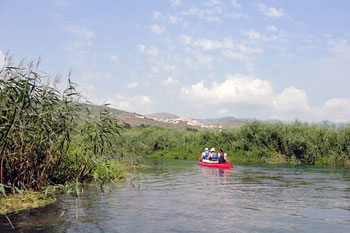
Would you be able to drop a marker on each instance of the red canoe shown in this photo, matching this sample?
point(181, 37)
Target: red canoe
point(226, 165)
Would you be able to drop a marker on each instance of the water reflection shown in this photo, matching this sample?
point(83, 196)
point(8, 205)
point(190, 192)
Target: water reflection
point(180, 196)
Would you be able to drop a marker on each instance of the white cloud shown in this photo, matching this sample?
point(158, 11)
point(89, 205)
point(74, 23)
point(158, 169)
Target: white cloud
point(198, 60)
point(80, 57)
point(156, 29)
point(212, 13)
point(339, 46)
point(227, 43)
point(141, 47)
point(175, 3)
point(207, 60)
point(192, 11)
point(186, 40)
point(156, 15)
point(82, 32)
point(270, 11)
point(211, 19)
point(291, 100)
point(235, 89)
point(336, 109)
point(254, 97)
point(169, 67)
point(271, 28)
point(63, 2)
point(138, 103)
point(152, 51)
point(111, 56)
point(238, 15)
point(132, 85)
point(212, 2)
point(246, 49)
point(170, 81)
point(173, 19)
point(255, 35)
point(208, 44)
point(222, 111)
point(154, 69)
point(234, 55)
point(252, 34)
point(236, 4)
point(239, 51)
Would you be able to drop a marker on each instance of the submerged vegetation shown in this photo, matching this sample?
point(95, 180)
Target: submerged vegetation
point(296, 142)
point(48, 137)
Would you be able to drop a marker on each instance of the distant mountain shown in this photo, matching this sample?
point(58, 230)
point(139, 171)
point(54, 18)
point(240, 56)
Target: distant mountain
point(162, 115)
point(172, 121)
point(168, 120)
point(217, 120)
point(230, 124)
point(99, 108)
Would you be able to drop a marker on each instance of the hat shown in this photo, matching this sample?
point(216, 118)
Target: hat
point(206, 149)
point(212, 149)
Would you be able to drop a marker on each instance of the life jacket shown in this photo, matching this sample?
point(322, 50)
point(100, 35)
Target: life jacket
point(214, 157)
point(206, 155)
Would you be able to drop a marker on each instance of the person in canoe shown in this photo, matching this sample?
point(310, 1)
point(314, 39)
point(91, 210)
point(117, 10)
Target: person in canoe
point(212, 156)
point(222, 156)
point(205, 154)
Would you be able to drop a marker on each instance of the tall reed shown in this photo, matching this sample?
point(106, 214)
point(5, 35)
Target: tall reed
point(36, 122)
point(47, 136)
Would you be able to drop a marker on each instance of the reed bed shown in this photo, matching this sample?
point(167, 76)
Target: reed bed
point(47, 136)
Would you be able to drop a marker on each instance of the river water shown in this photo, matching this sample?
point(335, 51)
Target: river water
point(180, 196)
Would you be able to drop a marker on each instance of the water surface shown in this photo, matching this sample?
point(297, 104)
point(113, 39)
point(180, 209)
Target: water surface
point(180, 196)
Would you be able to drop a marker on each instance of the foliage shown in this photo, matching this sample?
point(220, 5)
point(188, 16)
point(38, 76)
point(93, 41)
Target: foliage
point(46, 136)
point(294, 142)
point(107, 171)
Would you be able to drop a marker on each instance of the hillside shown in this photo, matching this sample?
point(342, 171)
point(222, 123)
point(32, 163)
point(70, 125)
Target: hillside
point(230, 124)
point(169, 120)
point(140, 120)
point(99, 108)
point(162, 115)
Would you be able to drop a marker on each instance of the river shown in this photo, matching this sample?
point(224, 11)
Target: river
point(180, 196)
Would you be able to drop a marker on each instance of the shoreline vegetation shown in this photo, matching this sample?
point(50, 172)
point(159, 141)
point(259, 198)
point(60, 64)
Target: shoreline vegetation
point(49, 138)
point(51, 141)
point(294, 143)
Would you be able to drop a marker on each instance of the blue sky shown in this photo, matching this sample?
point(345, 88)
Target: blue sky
point(203, 59)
